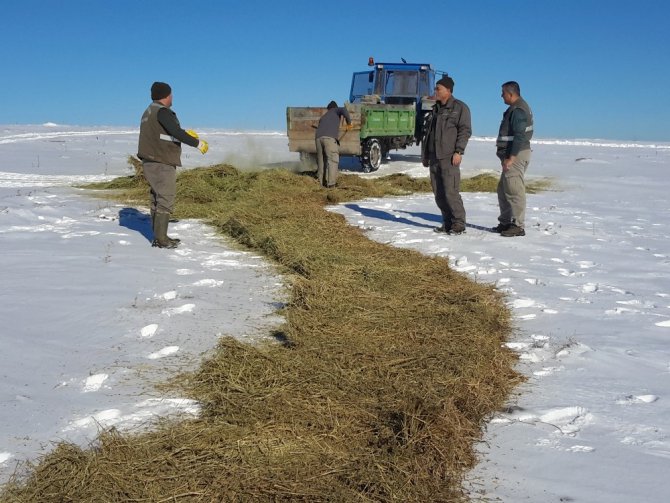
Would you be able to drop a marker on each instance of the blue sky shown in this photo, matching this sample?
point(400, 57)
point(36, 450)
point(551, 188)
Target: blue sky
point(589, 68)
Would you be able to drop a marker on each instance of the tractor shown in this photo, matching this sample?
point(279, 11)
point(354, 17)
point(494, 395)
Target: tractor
point(388, 105)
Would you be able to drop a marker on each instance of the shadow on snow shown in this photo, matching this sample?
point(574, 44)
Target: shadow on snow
point(137, 221)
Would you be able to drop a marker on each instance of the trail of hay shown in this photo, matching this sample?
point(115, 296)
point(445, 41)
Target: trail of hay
point(375, 388)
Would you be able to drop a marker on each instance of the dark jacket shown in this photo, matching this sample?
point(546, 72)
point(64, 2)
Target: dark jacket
point(161, 136)
point(516, 130)
point(448, 129)
point(329, 124)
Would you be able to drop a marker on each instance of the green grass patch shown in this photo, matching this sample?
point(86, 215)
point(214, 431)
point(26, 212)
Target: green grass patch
point(375, 388)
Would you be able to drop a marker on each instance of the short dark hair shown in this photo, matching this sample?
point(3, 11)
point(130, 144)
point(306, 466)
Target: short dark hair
point(332, 104)
point(447, 82)
point(512, 87)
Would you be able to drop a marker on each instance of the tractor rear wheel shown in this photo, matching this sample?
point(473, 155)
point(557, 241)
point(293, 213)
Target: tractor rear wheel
point(372, 156)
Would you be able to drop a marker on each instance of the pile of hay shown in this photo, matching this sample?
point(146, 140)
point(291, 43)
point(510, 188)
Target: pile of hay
point(375, 389)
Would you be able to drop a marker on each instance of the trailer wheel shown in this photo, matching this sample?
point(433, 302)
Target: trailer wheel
point(372, 155)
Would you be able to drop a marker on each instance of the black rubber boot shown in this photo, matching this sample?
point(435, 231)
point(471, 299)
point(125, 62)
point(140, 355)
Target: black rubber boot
point(161, 239)
point(153, 227)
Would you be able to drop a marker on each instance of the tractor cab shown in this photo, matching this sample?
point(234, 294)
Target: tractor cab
point(393, 83)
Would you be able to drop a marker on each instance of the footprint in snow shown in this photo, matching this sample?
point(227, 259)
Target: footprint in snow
point(586, 264)
point(541, 350)
point(462, 265)
point(217, 263)
point(622, 310)
point(537, 355)
point(636, 399)
point(507, 290)
point(583, 300)
point(103, 418)
point(590, 287)
point(208, 282)
point(521, 303)
point(567, 420)
point(186, 308)
point(652, 438)
point(94, 382)
point(635, 302)
point(580, 448)
point(546, 371)
point(149, 330)
point(574, 349)
point(518, 346)
point(535, 351)
point(620, 290)
point(171, 295)
point(167, 351)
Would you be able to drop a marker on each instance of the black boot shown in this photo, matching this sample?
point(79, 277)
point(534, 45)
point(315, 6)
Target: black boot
point(501, 227)
point(153, 227)
point(161, 239)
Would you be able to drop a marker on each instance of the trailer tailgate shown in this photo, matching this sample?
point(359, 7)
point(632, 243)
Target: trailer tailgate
point(301, 123)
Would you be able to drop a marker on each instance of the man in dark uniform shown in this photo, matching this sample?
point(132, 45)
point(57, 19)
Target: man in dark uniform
point(159, 150)
point(448, 130)
point(327, 145)
point(513, 150)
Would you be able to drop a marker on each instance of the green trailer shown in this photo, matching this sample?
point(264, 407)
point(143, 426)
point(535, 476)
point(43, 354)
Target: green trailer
point(377, 128)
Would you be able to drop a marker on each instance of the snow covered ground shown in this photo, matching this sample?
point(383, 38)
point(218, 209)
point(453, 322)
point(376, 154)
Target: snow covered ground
point(90, 314)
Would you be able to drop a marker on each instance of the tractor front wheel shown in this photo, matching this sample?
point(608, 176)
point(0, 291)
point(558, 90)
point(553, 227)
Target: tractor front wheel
point(372, 156)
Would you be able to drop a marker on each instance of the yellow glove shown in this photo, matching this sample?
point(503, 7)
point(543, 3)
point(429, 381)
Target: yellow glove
point(350, 127)
point(192, 133)
point(203, 146)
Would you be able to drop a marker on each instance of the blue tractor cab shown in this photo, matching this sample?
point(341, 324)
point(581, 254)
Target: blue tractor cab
point(394, 83)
